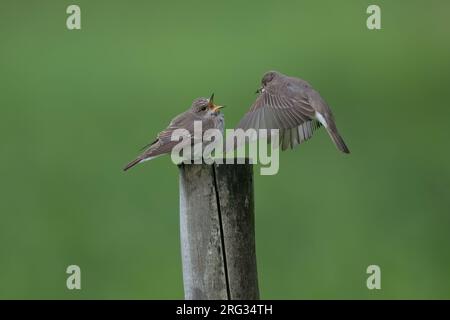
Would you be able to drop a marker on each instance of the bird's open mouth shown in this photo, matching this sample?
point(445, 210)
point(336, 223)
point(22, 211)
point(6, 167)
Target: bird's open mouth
point(212, 106)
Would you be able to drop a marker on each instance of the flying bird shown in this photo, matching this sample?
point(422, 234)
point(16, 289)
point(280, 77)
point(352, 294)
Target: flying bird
point(202, 109)
point(291, 105)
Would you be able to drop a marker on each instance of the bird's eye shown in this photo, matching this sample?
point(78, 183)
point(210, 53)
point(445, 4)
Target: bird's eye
point(203, 108)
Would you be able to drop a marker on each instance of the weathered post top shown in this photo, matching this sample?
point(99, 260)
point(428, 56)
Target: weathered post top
point(217, 231)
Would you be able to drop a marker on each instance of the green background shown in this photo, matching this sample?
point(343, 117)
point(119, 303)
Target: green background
point(75, 106)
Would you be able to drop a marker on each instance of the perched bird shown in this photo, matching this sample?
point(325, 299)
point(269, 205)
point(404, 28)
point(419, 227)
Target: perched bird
point(202, 109)
point(292, 106)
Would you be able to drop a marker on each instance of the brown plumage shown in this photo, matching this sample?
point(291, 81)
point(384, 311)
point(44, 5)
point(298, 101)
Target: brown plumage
point(202, 109)
point(292, 106)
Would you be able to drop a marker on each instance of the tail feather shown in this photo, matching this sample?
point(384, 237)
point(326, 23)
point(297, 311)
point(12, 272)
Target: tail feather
point(338, 141)
point(132, 164)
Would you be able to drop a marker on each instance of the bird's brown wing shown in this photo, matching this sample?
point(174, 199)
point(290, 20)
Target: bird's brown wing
point(291, 114)
point(176, 123)
point(289, 138)
point(272, 110)
point(164, 144)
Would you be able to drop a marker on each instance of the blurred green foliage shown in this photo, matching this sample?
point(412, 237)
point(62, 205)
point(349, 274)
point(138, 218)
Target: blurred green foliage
point(75, 106)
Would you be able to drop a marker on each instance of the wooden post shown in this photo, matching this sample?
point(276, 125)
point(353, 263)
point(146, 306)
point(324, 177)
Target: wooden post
point(217, 231)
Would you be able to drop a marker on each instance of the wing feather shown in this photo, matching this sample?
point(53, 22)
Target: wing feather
point(293, 116)
point(272, 111)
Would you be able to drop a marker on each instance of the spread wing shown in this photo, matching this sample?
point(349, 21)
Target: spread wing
point(276, 111)
point(284, 109)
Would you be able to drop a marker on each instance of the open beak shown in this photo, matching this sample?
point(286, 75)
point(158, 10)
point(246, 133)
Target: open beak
point(217, 108)
point(212, 106)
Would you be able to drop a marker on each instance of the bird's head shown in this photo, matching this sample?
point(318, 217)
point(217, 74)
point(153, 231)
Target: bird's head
point(205, 106)
point(267, 78)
